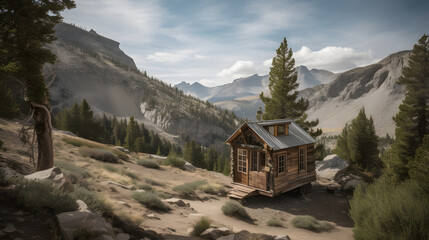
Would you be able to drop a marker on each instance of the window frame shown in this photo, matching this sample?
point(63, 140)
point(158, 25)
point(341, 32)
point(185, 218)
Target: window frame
point(242, 157)
point(302, 159)
point(278, 130)
point(281, 166)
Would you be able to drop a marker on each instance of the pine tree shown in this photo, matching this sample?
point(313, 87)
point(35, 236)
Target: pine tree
point(133, 132)
point(342, 149)
point(283, 86)
point(412, 120)
point(8, 107)
point(86, 124)
point(75, 119)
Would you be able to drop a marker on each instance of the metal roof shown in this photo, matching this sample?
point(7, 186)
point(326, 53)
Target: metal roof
point(296, 137)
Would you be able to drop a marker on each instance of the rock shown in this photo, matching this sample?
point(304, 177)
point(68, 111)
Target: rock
point(282, 237)
point(330, 190)
point(82, 206)
point(215, 233)
point(330, 165)
point(9, 228)
point(140, 190)
point(123, 236)
point(71, 222)
point(176, 201)
point(65, 185)
point(229, 237)
point(120, 185)
point(354, 183)
point(189, 167)
point(18, 213)
point(355, 176)
point(152, 216)
point(20, 219)
point(54, 174)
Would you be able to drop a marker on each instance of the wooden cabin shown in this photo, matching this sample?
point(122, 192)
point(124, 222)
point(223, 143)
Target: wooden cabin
point(270, 158)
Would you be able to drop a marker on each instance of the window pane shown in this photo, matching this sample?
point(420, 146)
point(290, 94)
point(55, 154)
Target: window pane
point(281, 130)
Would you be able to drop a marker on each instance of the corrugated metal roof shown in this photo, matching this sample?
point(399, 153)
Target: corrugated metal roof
point(297, 136)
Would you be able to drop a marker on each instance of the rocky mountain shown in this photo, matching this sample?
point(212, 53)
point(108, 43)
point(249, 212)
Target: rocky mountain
point(252, 85)
point(337, 102)
point(93, 67)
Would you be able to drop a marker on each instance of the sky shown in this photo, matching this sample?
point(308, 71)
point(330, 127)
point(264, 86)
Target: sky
point(214, 42)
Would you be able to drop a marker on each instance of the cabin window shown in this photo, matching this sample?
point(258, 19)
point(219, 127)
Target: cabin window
point(261, 161)
point(282, 163)
point(254, 162)
point(242, 160)
point(271, 129)
point(302, 159)
point(281, 130)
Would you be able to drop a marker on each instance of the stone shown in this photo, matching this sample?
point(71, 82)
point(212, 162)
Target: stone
point(9, 228)
point(65, 185)
point(20, 219)
point(229, 237)
point(282, 237)
point(119, 185)
point(140, 190)
point(122, 236)
point(82, 207)
point(175, 201)
point(53, 173)
point(189, 167)
point(71, 222)
point(152, 216)
point(215, 233)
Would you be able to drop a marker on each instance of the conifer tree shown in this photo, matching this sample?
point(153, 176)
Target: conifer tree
point(342, 149)
point(133, 132)
point(412, 120)
point(86, 124)
point(8, 106)
point(283, 86)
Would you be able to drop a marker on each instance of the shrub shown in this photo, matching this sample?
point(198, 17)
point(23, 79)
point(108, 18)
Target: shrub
point(235, 209)
point(388, 211)
point(154, 182)
point(94, 202)
point(145, 187)
point(207, 188)
point(131, 175)
point(99, 154)
point(79, 142)
point(39, 195)
point(148, 163)
point(163, 195)
point(72, 168)
point(151, 201)
point(174, 161)
point(110, 168)
point(274, 222)
point(200, 226)
point(310, 223)
point(188, 189)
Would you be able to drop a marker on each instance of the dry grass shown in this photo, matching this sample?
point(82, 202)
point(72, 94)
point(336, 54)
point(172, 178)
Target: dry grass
point(99, 154)
point(235, 209)
point(274, 222)
point(151, 201)
point(200, 226)
point(310, 223)
point(148, 163)
point(154, 182)
point(79, 142)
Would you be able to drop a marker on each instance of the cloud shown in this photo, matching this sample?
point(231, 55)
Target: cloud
point(199, 57)
point(170, 57)
point(238, 69)
point(336, 59)
point(267, 63)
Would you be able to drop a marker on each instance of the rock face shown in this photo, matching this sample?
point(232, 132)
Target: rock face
point(189, 167)
point(215, 233)
point(70, 223)
point(330, 165)
point(53, 174)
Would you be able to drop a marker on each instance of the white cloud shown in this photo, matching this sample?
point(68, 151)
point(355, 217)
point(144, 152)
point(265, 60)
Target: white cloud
point(267, 63)
point(237, 70)
point(336, 59)
point(199, 57)
point(170, 57)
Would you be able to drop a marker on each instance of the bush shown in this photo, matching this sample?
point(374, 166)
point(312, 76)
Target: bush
point(163, 195)
point(145, 187)
point(38, 195)
point(153, 182)
point(174, 161)
point(200, 226)
point(99, 154)
point(131, 175)
point(148, 163)
point(235, 209)
point(79, 142)
point(72, 168)
point(110, 168)
point(388, 211)
point(188, 189)
point(310, 223)
point(274, 222)
point(151, 201)
point(94, 202)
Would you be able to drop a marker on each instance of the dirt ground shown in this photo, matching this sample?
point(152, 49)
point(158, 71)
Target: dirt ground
point(318, 203)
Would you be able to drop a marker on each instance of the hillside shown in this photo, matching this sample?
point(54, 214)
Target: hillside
point(93, 67)
point(337, 102)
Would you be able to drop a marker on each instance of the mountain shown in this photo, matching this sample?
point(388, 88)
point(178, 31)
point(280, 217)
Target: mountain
point(337, 102)
point(93, 67)
point(255, 84)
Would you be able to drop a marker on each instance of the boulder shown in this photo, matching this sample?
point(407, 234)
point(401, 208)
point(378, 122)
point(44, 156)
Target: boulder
point(282, 237)
point(123, 236)
point(215, 233)
point(175, 201)
point(82, 207)
point(53, 174)
point(243, 235)
point(70, 223)
point(189, 167)
point(330, 165)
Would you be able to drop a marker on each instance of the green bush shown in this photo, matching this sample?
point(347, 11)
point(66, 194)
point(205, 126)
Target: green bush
point(310, 223)
point(145, 187)
point(274, 222)
point(163, 195)
point(235, 209)
point(110, 168)
point(200, 226)
point(188, 189)
point(154, 182)
point(71, 168)
point(388, 211)
point(131, 175)
point(99, 154)
point(79, 142)
point(151, 201)
point(148, 163)
point(94, 202)
point(39, 195)
point(174, 161)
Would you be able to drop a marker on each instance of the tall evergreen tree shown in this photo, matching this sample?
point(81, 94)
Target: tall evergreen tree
point(133, 132)
point(87, 123)
point(412, 120)
point(342, 149)
point(8, 107)
point(26, 26)
point(283, 86)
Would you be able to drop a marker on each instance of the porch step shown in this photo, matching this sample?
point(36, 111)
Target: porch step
point(241, 192)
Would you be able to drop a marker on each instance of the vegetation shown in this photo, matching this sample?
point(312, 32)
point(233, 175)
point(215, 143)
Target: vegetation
point(310, 223)
point(110, 168)
point(208, 158)
point(174, 160)
point(188, 189)
point(8, 108)
point(90, 144)
point(148, 163)
point(358, 143)
point(200, 226)
point(71, 168)
point(144, 187)
point(396, 205)
point(99, 154)
point(235, 209)
point(283, 85)
point(131, 175)
point(151, 201)
point(154, 182)
point(94, 202)
point(275, 222)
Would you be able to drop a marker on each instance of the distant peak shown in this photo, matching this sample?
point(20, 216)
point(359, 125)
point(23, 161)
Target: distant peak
point(92, 31)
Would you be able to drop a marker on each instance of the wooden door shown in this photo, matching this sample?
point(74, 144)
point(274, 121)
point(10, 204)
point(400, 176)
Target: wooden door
point(257, 175)
point(241, 167)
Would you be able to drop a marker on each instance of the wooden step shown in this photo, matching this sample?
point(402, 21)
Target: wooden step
point(240, 192)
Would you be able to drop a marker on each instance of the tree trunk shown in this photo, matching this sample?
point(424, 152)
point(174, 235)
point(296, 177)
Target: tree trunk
point(43, 128)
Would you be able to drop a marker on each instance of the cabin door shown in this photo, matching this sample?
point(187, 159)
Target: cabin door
point(241, 167)
point(257, 174)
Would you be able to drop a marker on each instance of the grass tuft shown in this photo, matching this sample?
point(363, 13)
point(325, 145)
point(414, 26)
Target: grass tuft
point(274, 222)
point(200, 226)
point(174, 160)
point(148, 163)
point(235, 209)
point(94, 202)
point(99, 154)
point(131, 175)
point(71, 168)
point(188, 189)
point(79, 142)
point(310, 223)
point(151, 201)
point(110, 168)
point(154, 182)
point(145, 187)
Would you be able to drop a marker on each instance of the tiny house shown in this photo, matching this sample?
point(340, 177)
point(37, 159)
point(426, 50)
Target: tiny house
point(270, 158)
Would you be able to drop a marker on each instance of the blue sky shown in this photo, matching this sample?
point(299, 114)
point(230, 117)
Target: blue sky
point(215, 42)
